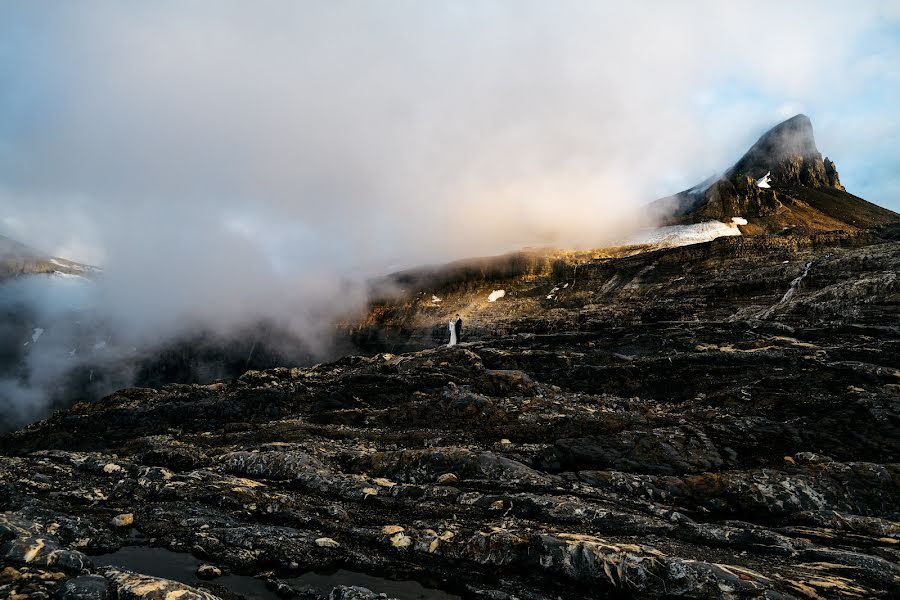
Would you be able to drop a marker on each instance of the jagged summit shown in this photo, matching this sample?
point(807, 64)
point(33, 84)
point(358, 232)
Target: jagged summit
point(789, 152)
point(782, 183)
point(791, 138)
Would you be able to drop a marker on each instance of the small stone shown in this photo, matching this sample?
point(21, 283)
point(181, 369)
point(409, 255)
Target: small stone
point(447, 479)
point(123, 520)
point(505, 442)
point(208, 572)
point(326, 542)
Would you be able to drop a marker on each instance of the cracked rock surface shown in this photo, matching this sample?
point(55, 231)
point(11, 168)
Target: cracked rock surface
point(667, 425)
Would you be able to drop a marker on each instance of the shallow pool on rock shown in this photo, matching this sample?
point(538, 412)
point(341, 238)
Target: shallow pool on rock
point(402, 590)
point(182, 567)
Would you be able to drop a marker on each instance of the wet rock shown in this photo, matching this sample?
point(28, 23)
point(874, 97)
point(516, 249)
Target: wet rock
point(134, 586)
point(427, 465)
point(664, 451)
point(355, 593)
point(85, 587)
point(176, 458)
point(42, 550)
point(641, 570)
point(270, 465)
point(208, 572)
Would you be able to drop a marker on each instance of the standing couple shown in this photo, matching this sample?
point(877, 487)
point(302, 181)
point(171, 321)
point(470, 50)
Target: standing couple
point(455, 330)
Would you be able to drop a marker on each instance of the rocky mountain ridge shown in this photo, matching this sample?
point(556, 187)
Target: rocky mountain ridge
point(782, 184)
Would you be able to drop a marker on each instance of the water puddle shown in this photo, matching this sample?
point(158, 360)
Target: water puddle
point(402, 590)
point(182, 567)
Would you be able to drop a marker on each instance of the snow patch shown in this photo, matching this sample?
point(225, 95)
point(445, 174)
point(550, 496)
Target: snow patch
point(683, 235)
point(62, 275)
point(435, 299)
point(764, 182)
point(496, 295)
point(739, 220)
point(70, 265)
point(36, 335)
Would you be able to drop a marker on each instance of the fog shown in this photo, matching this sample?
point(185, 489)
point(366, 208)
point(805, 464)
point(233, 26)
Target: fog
point(229, 161)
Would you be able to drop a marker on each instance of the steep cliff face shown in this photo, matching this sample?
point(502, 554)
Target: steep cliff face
point(781, 183)
point(788, 152)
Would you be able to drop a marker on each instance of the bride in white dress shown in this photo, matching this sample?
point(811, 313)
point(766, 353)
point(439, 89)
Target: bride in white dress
point(452, 333)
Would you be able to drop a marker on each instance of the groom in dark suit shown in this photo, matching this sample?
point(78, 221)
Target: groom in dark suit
point(458, 326)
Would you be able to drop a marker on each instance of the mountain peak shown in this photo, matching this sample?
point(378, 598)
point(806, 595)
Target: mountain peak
point(790, 141)
point(781, 183)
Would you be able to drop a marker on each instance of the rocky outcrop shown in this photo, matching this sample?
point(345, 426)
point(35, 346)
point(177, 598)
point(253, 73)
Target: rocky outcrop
point(802, 190)
point(789, 154)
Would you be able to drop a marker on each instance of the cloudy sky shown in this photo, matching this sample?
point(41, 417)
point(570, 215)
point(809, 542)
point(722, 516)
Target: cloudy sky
point(221, 156)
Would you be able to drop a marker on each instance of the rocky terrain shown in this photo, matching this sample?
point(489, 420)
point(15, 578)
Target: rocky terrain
point(717, 420)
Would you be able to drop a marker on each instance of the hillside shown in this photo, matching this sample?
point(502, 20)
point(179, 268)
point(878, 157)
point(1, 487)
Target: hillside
point(18, 259)
point(717, 420)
